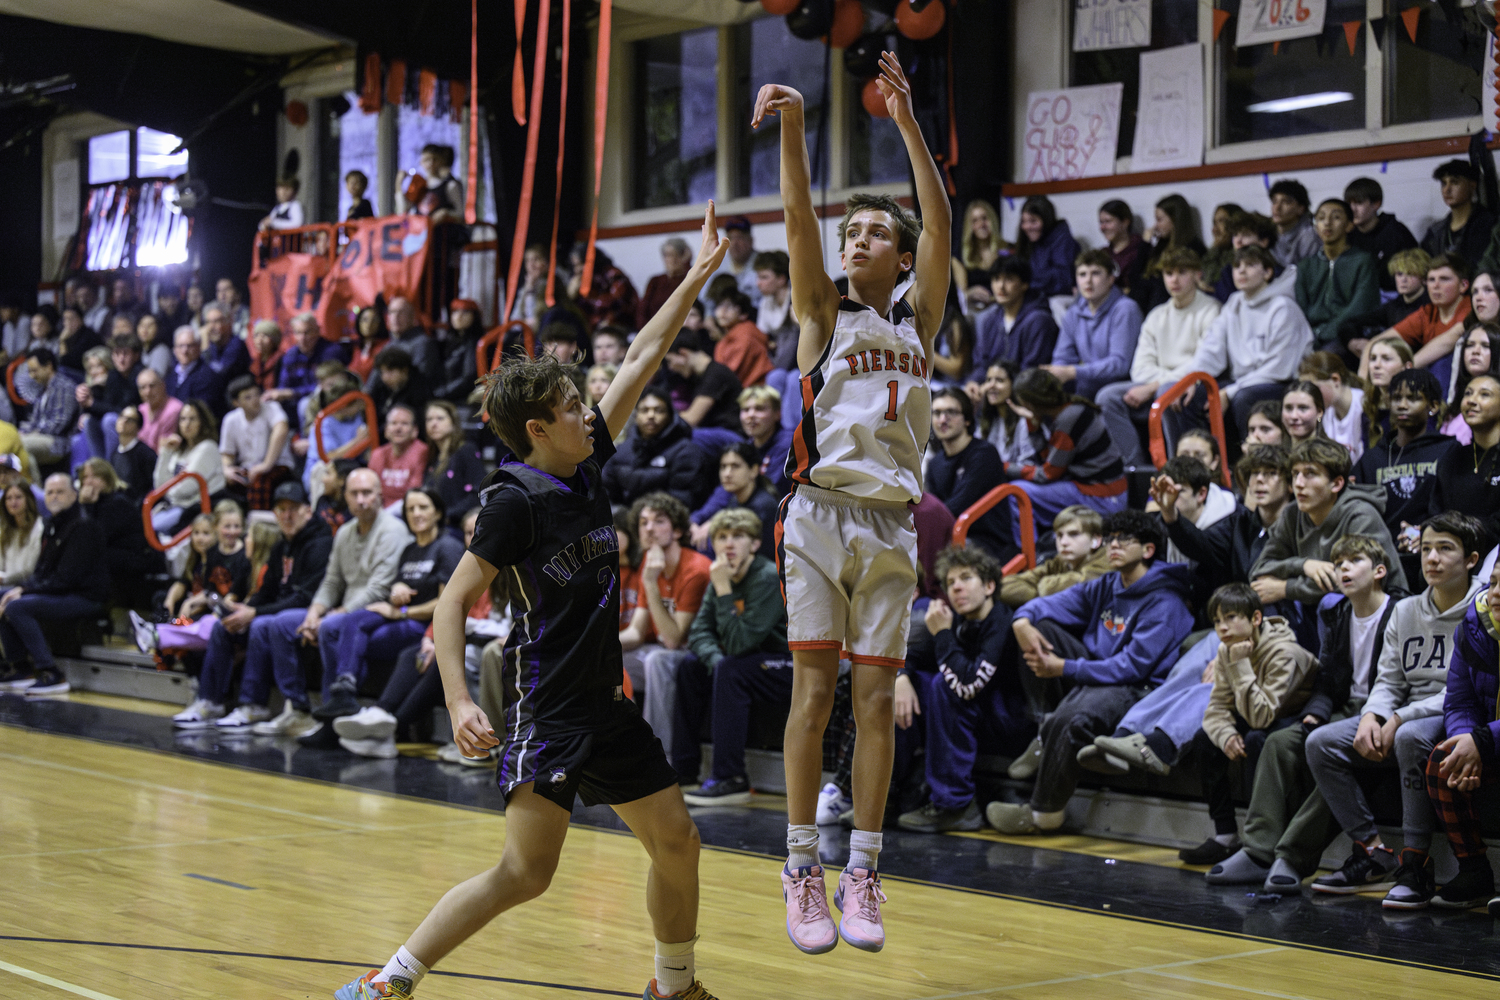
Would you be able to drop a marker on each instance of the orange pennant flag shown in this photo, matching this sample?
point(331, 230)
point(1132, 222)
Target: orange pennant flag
point(1275, 48)
point(1351, 33)
point(1221, 18)
point(1410, 16)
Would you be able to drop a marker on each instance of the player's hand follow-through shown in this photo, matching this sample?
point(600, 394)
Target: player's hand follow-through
point(471, 729)
point(894, 87)
point(774, 99)
point(711, 253)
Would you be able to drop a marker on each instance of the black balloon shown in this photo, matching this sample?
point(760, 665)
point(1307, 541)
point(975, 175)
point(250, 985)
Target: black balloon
point(886, 7)
point(862, 59)
point(812, 19)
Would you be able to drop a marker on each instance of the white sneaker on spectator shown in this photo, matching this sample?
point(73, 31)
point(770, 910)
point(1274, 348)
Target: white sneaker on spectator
point(831, 802)
point(145, 633)
point(243, 717)
point(370, 723)
point(290, 722)
point(199, 715)
point(382, 748)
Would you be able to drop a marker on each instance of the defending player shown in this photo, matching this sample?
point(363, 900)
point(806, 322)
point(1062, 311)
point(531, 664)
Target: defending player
point(545, 520)
point(847, 548)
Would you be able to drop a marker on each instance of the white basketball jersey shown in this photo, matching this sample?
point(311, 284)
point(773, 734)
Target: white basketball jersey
point(866, 408)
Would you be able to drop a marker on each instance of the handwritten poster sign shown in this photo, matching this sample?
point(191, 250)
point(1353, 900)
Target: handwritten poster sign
point(1111, 24)
point(1072, 133)
point(1264, 21)
point(1169, 118)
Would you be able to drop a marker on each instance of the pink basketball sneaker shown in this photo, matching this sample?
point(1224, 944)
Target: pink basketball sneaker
point(858, 898)
point(808, 922)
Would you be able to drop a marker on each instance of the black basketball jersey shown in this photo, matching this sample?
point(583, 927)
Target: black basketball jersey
point(556, 542)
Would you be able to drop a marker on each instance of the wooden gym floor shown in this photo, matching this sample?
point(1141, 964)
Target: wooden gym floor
point(137, 865)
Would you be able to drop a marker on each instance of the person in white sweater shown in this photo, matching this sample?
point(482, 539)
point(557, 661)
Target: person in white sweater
point(1163, 355)
point(1401, 722)
point(1253, 347)
point(21, 528)
point(192, 447)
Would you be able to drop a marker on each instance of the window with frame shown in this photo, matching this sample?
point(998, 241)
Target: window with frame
point(675, 136)
point(1305, 86)
point(1438, 75)
point(766, 52)
point(877, 153)
point(1173, 22)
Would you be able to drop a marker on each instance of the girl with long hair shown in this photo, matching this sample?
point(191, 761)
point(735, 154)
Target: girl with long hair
point(20, 533)
point(1221, 253)
point(217, 570)
point(455, 469)
point(1349, 414)
point(1264, 424)
point(999, 423)
point(192, 447)
point(1117, 226)
point(373, 338)
point(1302, 409)
point(1046, 243)
point(1479, 354)
point(1173, 227)
point(1386, 359)
point(979, 248)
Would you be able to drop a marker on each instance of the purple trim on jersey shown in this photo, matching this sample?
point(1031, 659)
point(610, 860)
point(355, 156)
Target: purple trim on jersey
point(546, 475)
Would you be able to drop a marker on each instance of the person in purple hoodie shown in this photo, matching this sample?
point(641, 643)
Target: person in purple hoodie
point(1019, 328)
point(1106, 643)
point(1047, 244)
point(1099, 331)
point(1467, 763)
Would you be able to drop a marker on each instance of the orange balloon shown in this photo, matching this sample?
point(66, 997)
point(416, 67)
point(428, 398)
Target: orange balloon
point(780, 7)
point(848, 23)
point(920, 26)
point(873, 99)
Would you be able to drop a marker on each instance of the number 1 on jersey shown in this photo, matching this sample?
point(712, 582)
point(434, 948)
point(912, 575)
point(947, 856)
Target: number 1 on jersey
point(890, 412)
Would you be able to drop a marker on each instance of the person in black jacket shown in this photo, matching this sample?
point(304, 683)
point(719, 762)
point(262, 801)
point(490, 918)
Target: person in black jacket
point(126, 551)
point(1376, 232)
point(963, 468)
point(1468, 479)
point(293, 572)
point(396, 380)
point(456, 469)
point(960, 679)
point(65, 585)
point(1288, 825)
point(1407, 272)
point(1226, 551)
point(658, 455)
point(460, 364)
point(1405, 462)
point(133, 460)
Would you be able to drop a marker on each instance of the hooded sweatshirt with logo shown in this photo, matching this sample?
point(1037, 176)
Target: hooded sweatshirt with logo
point(1358, 509)
point(1132, 633)
point(1413, 672)
point(1271, 683)
point(1407, 474)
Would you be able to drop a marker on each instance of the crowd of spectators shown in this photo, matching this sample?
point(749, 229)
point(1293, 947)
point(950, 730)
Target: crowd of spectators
point(1297, 603)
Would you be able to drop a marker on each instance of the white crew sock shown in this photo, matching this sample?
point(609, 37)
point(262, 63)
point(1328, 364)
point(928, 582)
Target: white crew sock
point(864, 850)
point(801, 846)
point(1228, 839)
point(1048, 821)
point(674, 967)
point(402, 966)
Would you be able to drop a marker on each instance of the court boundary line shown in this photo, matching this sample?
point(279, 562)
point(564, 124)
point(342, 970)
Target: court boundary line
point(1235, 935)
point(60, 984)
point(286, 958)
point(1088, 976)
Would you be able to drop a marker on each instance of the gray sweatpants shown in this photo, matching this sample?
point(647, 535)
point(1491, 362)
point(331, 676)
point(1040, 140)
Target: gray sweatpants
point(660, 674)
point(1332, 759)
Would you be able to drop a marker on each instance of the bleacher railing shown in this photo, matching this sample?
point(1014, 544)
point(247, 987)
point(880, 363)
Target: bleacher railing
point(1027, 559)
point(159, 493)
point(10, 380)
point(372, 421)
point(1215, 419)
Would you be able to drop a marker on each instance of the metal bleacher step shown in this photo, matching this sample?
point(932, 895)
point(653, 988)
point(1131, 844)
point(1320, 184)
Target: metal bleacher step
point(124, 671)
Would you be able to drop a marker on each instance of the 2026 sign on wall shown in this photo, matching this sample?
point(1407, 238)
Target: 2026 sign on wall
point(1263, 21)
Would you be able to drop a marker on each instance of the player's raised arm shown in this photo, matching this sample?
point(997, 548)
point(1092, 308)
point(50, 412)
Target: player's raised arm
point(815, 299)
point(643, 360)
point(932, 269)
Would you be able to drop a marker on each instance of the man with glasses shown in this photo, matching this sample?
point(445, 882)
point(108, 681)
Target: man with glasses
point(1091, 652)
point(964, 468)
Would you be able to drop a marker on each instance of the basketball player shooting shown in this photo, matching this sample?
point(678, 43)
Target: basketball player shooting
point(846, 545)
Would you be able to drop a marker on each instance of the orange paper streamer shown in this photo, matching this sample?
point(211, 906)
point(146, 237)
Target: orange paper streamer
point(528, 171)
point(562, 131)
point(471, 193)
point(518, 76)
point(1409, 16)
point(601, 103)
point(1221, 18)
point(1351, 33)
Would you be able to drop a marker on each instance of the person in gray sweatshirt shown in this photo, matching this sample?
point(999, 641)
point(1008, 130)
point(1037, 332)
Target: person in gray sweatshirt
point(1294, 563)
point(361, 569)
point(1401, 722)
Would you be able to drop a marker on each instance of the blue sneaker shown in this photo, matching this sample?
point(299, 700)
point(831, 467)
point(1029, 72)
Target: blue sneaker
point(363, 989)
